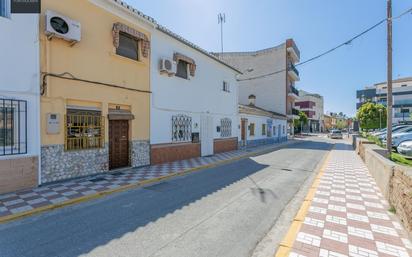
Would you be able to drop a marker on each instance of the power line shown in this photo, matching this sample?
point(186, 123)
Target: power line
point(332, 49)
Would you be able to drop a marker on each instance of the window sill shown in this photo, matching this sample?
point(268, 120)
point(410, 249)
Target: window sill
point(120, 57)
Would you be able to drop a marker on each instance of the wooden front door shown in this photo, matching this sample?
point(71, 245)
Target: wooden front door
point(118, 144)
point(243, 130)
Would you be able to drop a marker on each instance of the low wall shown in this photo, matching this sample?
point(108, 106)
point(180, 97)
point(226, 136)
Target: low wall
point(224, 145)
point(18, 173)
point(394, 180)
point(163, 153)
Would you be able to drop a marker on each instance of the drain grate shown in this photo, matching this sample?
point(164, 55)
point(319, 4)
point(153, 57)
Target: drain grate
point(97, 179)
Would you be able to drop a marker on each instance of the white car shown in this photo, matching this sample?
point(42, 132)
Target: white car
point(335, 133)
point(396, 130)
point(398, 138)
point(405, 148)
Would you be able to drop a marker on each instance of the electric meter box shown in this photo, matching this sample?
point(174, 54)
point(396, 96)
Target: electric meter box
point(53, 123)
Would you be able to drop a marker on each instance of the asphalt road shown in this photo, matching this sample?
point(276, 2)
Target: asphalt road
point(221, 211)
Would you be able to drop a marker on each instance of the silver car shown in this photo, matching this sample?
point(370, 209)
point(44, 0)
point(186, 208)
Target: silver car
point(405, 148)
point(398, 129)
point(335, 133)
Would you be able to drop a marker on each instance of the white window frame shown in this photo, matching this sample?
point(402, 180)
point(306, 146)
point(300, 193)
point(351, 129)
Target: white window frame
point(6, 10)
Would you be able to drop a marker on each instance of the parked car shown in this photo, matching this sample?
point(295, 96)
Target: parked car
point(398, 138)
point(382, 132)
point(335, 133)
point(398, 129)
point(405, 148)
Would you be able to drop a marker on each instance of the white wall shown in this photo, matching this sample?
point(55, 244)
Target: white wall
point(258, 121)
point(200, 94)
point(19, 70)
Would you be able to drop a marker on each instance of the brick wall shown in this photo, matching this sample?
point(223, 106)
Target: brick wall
point(163, 153)
point(224, 145)
point(18, 173)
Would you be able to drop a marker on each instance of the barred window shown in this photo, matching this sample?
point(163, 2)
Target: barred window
point(263, 129)
point(225, 127)
point(13, 127)
point(84, 129)
point(252, 129)
point(181, 128)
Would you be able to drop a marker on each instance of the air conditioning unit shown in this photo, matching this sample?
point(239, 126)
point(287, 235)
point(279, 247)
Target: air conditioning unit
point(167, 66)
point(62, 27)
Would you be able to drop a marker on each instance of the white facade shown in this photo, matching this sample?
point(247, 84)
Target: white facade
point(19, 70)
point(278, 129)
point(198, 96)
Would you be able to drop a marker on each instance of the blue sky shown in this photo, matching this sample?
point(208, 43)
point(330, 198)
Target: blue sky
point(315, 25)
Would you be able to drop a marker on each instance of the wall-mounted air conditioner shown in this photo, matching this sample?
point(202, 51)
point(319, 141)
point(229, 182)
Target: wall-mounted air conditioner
point(167, 66)
point(62, 27)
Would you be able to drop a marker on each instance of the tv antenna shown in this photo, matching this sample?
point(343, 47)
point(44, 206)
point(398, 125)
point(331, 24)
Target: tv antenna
point(221, 17)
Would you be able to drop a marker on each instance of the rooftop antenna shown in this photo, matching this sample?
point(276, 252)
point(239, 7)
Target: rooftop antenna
point(221, 17)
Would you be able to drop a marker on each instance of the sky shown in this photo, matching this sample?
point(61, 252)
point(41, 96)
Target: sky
point(315, 25)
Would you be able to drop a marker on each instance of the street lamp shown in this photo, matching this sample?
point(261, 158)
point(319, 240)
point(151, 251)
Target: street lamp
point(380, 118)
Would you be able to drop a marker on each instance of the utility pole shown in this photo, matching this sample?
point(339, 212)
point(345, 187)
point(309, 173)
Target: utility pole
point(221, 17)
point(389, 107)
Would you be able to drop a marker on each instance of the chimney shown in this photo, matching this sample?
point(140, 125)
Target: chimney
point(252, 100)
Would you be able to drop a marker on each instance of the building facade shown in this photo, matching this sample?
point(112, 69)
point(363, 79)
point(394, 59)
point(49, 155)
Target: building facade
point(194, 100)
point(19, 100)
point(402, 98)
point(312, 105)
point(95, 103)
point(270, 76)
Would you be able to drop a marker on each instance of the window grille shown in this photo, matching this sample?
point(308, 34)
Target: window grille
point(13, 127)
point(181, 128)
point(225, 127)
point(84, 130)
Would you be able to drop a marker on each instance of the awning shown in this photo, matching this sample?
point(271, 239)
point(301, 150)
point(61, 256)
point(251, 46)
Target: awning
point(120, 115)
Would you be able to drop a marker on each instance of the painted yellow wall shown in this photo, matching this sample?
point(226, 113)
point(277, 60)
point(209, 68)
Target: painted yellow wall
point(93, 58)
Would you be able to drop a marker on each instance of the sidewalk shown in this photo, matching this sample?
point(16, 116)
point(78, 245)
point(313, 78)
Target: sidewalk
point(22, 203)
point(345, 214)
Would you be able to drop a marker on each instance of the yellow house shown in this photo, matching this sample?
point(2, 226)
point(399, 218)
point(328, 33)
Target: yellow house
point(95, 88)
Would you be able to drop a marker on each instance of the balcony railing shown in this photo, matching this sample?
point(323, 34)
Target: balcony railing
point(294, 90)
point(295, 111)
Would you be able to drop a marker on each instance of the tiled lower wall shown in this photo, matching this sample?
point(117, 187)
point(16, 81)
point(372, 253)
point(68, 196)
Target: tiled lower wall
point(18, 173)
point(224, 145)
point(263, 141)
point(163, 153)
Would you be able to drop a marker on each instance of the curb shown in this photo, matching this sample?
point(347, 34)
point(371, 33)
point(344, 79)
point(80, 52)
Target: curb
point(285, 246)
point(135, 185)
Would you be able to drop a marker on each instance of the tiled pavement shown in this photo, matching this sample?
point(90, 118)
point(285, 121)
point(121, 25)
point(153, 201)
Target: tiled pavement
point(23, 201)
point(348, 215)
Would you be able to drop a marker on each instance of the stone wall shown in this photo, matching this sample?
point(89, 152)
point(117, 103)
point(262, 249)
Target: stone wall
point(18, 172)
point(394, 180)
point(401, 194)
point(58, 164)
point(139, 153)
point(163, 153)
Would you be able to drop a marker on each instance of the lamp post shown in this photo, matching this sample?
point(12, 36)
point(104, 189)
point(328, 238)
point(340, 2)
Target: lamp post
point(380, 118)
point(389, 79)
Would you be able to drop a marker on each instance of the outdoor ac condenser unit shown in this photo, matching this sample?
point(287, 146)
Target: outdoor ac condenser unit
point(62, 27)
point(167, 66)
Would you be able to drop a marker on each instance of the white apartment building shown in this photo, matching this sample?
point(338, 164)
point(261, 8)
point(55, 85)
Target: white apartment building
point(194, 108)
point(312, 105)
point(401, 93)
point(269, 76)
point(19, 99)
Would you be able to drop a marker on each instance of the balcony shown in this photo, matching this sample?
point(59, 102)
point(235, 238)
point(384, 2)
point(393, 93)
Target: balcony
point(293, 114)
point(293, 72)
point(295, 111)
point(293, 50)
point(293, 92)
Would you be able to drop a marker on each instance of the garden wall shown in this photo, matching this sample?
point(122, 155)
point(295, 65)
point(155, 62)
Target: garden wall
point(395, 181)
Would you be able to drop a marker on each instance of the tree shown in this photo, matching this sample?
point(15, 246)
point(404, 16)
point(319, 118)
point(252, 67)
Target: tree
point(303, 120)
point(371, 116)
point(341, 124)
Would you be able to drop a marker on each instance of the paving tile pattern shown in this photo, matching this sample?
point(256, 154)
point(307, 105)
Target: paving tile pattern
point(27, 200)
point(348, 215)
